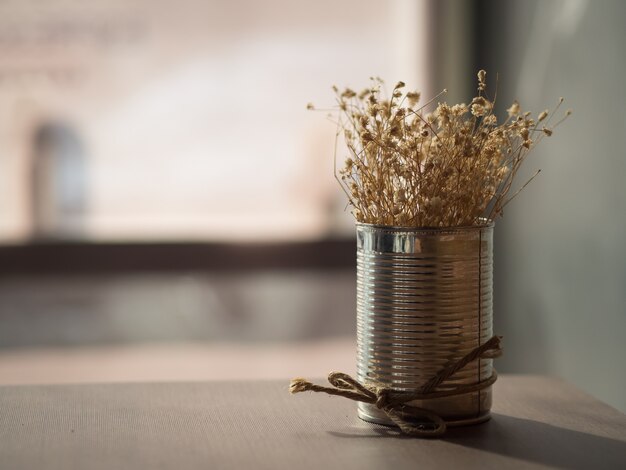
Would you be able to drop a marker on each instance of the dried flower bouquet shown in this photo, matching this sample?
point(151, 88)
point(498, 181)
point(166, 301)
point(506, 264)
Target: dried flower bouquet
point(454, 166)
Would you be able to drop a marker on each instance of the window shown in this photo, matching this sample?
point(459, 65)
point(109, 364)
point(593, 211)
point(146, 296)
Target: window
point(152, 120)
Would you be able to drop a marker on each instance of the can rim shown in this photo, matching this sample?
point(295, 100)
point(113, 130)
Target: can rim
point(487, 224)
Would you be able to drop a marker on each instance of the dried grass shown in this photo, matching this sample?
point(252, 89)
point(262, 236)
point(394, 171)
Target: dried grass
point(454, 166)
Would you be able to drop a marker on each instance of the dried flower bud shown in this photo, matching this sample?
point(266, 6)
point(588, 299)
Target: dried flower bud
point(547, 131)
point(514, 109)
point(399, 195)
point(310, 106)
point(482, 75)
point(354, 189)
point(396, 131)
point(478, 110)
point(413, 97)
point(459, 109)
point(491, 120)
point(399, 85)
point(364, 93)
point(542, 115)
point(480, 106)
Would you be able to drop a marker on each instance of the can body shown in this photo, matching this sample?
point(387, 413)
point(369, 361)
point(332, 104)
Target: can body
point(424, 299)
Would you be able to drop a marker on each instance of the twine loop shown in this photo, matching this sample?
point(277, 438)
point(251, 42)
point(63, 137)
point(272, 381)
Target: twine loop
point(382, 398)
point(412, 420)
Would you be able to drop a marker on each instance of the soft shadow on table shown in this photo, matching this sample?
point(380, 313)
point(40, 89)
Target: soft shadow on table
point(542, 443)
point(528, 440)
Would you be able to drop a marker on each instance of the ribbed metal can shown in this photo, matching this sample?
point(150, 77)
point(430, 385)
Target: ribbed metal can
point(424, 299)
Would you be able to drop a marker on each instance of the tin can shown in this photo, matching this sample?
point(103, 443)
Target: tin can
point(424, 299)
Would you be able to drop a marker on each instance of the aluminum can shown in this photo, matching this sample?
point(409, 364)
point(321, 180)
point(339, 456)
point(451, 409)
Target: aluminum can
point(424, 299)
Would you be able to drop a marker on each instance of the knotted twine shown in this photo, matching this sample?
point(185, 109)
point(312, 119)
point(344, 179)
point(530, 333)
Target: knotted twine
point(412, 420)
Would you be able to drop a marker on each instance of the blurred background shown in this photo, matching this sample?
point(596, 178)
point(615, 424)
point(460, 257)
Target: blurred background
point(167, 204)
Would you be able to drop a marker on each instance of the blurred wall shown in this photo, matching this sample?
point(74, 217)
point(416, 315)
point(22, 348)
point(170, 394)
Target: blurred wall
point(561, 246)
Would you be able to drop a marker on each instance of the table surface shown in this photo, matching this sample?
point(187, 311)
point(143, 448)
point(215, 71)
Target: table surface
point(537, 422)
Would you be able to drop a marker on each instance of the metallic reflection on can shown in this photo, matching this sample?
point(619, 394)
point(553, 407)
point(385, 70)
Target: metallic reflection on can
point(424, 298)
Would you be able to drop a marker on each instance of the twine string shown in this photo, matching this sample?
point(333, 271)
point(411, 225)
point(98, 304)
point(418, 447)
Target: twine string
point(412, 420)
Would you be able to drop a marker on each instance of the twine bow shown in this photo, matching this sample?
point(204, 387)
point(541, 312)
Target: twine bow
point(412, 420)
